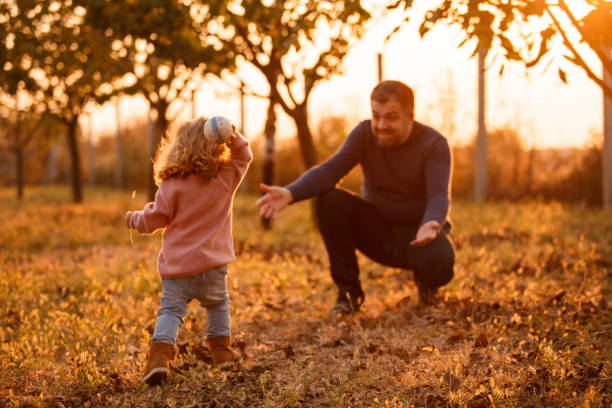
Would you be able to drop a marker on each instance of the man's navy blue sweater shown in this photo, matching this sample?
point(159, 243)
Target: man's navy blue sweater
point(408, 183)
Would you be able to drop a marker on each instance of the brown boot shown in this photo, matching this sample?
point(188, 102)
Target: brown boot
point(160, 355)
point(221, 350)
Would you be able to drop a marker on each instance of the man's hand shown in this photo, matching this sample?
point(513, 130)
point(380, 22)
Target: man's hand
point(427, 233)
point(275, 199)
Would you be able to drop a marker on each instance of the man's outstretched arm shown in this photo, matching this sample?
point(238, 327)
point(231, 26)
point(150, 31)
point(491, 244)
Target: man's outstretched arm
point(437, 175)
point(318, 179)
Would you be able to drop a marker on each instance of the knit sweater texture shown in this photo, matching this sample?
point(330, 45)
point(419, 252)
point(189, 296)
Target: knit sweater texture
point(408, 183)
point(196, 215)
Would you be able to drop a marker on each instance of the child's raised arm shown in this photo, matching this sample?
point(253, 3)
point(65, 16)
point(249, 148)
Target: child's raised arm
point(240, 158)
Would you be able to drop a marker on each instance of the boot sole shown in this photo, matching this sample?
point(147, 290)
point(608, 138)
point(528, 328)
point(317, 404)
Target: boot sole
point(227, 365)
point(156, 376)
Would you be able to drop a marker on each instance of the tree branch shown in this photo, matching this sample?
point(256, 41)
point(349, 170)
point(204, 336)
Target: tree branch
point(269, 70)
point(250, 92)
point(309, 85)
point(287, 80)
point(255, 49)
point(578, 58)
point(276, 96)
point(183, 98)
point(246, 89)
point(605, 59)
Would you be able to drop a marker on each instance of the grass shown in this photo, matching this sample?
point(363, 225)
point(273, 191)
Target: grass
point(525, 323)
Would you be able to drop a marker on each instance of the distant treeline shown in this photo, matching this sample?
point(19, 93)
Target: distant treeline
point(514, 172)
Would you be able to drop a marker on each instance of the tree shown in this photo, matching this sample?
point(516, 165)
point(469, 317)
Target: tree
point(480, 159)
point(294, 44)
point(18, 123)
point(537, 31)
point(14, 82)
point(163, 49)
point(607, 131)
point(65, 61)
point(118, 149)
point(268, 154)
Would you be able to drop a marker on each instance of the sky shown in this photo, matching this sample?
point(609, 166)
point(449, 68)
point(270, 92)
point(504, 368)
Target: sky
point(543, 110)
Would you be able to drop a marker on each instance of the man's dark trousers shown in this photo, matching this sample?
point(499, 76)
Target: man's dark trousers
point(347, 223)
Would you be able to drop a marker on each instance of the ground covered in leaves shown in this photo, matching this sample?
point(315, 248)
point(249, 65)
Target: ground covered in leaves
point(525, 323)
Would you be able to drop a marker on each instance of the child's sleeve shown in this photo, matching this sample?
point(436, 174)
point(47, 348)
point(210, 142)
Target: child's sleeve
point(240, 158)
point(155, 215)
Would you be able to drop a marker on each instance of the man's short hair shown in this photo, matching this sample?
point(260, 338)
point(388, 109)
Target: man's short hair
point(389, 89)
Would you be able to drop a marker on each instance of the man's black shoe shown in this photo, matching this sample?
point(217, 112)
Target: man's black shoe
point(345, 307)
point(427, 296)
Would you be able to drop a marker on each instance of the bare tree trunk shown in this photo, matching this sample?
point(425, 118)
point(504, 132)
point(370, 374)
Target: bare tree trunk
point(515, 170)
point(159, 128)
point(73, 147)
point(529, 172)
point(480, 180)
point(307, 148)
point(50, 174)
point(19, 153)
point(20, 181)
point(268, 153)
point(90, 151)
point(379, 64)
point(244, 184)
point(607, 133)
point(151, 148)
point(118, 149)
point(193, 104)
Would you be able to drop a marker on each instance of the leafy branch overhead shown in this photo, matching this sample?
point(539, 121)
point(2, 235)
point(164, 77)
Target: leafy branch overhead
point(50, 52)
point(161, 47)
point(532, 30)
point(292, 43)
point(164, 49)
point(61, 62)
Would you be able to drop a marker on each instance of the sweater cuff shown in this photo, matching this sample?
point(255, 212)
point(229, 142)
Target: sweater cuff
point(295, 193)
point(238, 142)
point(131, 220)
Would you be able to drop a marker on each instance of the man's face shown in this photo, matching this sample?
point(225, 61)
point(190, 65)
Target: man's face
point(391, 122)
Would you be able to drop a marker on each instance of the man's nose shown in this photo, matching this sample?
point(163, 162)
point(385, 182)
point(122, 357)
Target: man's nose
point(382, 124)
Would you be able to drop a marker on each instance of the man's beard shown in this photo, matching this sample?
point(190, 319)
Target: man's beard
point(396, 138)
point(386, 142)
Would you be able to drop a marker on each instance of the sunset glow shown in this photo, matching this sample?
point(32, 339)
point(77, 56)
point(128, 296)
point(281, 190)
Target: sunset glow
point(533, 102)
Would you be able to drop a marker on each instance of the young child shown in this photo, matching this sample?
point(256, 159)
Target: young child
point(197, 181)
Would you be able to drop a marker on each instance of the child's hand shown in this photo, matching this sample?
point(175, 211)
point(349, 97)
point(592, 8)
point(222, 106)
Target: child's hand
point(233, 136)
point(128, 218)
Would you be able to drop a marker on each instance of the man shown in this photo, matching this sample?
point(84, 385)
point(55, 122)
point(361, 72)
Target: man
point(401, 219)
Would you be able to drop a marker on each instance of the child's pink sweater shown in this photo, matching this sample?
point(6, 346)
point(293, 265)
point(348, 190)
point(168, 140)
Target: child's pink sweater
point(197, 217)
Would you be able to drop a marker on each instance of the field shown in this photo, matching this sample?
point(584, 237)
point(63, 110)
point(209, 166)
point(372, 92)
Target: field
point(526, 322)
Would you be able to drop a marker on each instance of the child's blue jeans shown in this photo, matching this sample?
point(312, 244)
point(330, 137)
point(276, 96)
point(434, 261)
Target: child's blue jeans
point(209, 288)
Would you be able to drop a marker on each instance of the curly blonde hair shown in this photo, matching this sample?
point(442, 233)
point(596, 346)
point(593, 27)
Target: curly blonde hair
point(187, 152)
